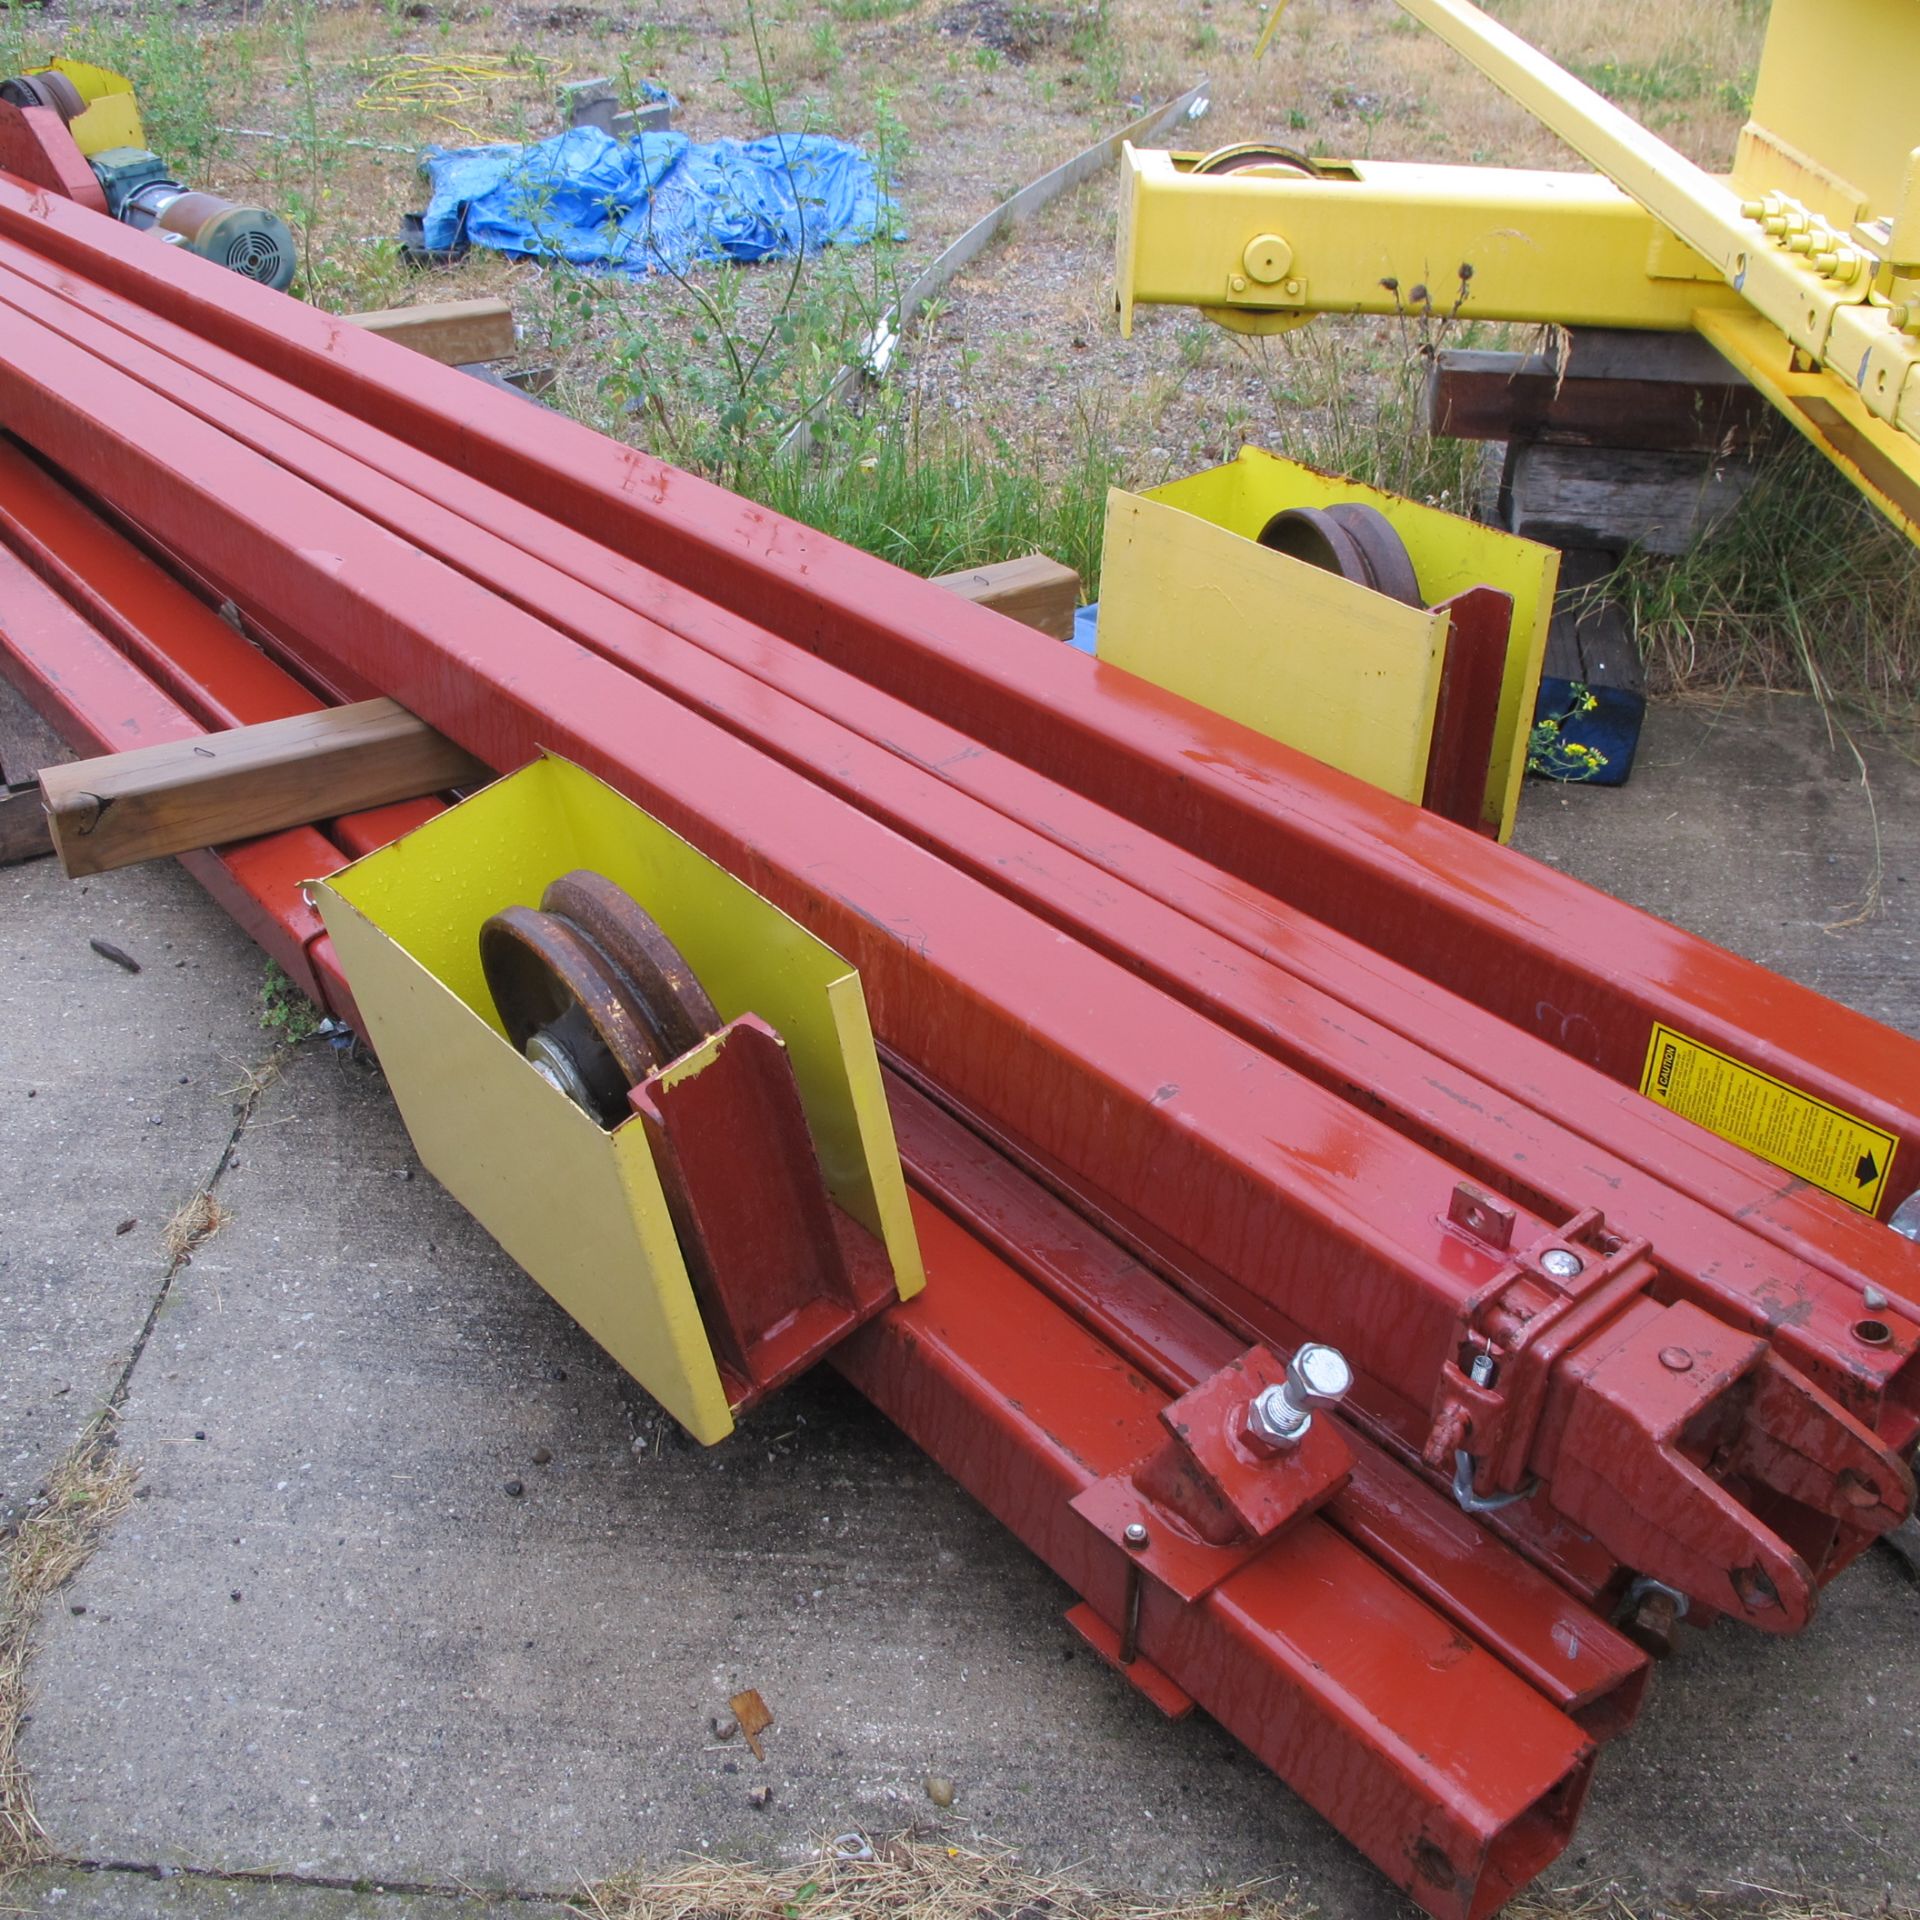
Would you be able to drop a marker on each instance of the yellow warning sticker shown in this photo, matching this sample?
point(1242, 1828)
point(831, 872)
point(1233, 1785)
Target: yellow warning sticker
point(1822, 1144)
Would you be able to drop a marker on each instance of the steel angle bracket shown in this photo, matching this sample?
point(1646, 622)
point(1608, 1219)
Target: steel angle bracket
point(1207, 1500)
point(583, 1208)
point(1200, 1506)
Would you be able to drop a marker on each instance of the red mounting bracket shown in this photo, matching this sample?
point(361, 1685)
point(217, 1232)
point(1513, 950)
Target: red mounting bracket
point(781, 1273)
point(1547, 1299)
point(1209, 1499)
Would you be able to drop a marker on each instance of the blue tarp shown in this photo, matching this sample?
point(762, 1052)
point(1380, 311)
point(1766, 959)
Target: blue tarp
point(599, 202)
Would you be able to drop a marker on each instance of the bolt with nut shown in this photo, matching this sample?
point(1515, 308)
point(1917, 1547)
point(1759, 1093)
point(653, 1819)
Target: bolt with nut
point(1279, 1417)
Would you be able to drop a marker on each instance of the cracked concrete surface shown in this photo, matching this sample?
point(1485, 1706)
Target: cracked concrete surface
point(327, 1642)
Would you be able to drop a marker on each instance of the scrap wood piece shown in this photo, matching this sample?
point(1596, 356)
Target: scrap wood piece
point(454, 332)
point(122, 808)
point(1035, 590)
point(1600, 386)
point(751, 1712)
point(878, 348)
point(24, 833)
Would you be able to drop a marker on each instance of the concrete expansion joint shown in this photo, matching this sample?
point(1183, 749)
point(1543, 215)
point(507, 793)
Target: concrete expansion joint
point(258, 1080)
point(322, 1882)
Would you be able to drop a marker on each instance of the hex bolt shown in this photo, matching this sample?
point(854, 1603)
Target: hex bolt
point(1318, 1376)
point(1135, 1535)
point(1278, 1417)
point(1562, 1262)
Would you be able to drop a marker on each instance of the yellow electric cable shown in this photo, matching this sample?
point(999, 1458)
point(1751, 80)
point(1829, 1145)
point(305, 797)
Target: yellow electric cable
point(423, 83)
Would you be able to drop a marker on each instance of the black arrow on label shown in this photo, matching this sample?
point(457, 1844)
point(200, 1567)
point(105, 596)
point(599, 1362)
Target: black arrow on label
point(1865, 1171)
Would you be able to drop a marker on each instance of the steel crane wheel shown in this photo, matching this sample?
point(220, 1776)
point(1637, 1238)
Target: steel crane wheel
point(1249, 156)
point(1355, 541)
point(592, 992)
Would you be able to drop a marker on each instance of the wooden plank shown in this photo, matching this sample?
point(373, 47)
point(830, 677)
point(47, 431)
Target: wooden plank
point(122, 808)
point(1473, 395)
point(1334, 669)
point(1621, 497)
point(1033, 589)
point(455, 332)
point(24, 833)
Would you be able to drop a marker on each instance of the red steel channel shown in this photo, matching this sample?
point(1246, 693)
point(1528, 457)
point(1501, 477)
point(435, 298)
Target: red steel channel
point(1341, 1229)
point(1587, 974)
point(1460, 1774)
point(1482, 1131)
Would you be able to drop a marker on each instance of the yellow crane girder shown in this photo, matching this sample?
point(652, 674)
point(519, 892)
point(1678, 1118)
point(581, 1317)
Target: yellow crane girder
point(1802, 266)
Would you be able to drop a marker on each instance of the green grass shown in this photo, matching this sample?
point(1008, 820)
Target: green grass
point(936, 500)
point(1808, 588)
point(1651, 88)
point(1350, 398)
point(286, 1012)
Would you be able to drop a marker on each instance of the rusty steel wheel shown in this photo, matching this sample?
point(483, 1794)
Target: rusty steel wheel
point(1355, 541)
point(1249, 156)
point(672, 1002)
point(592, 992)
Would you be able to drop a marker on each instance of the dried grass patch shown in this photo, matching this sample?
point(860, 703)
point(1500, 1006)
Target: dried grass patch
point(200, 1219)
point(87, 1492)
point(914, 1877)
point(908, 1877)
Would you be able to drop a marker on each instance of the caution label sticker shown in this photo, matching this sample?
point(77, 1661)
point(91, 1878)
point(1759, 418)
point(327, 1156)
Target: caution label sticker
point(1822, 1144)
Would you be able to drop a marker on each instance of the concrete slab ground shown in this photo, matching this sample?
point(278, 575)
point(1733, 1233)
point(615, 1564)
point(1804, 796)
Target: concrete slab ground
point(329, 1643)
point(114, 1087)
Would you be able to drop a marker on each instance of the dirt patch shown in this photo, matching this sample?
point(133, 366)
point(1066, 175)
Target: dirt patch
point(1022, 32)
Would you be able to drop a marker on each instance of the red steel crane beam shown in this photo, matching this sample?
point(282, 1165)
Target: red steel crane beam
point(1536, 1629)
point(1587, 974)
point(1340, 1229)
point(1487, 1135)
